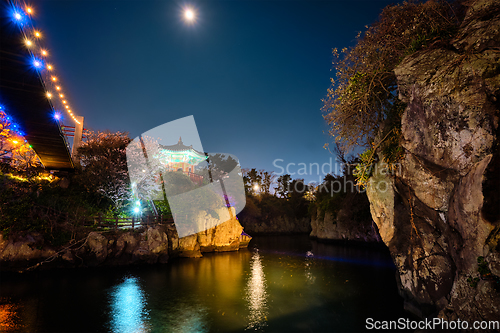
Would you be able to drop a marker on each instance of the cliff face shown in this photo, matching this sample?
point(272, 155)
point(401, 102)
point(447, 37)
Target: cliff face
point(145, 245)
point(439, 214)
point(341, 227)
point(343, 215)
point(278, 225)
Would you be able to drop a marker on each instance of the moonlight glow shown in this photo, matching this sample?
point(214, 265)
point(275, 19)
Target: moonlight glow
point(189, 15)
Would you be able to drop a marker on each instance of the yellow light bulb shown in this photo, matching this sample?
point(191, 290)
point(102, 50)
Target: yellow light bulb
point(28, 42)
point(44, 53)
point(54, 78)
point(38, 34)
point(67, 107)
point(15, 142)
point(64, 102)
point(61, 95)
point(49, 67)
point(58, 88)
point(49, 95)
point(29, 10)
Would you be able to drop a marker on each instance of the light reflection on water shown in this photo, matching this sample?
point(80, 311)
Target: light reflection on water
point(256, 294)
point(128, 308)
point(280, 284)
point(186, 318)
point(8, 316)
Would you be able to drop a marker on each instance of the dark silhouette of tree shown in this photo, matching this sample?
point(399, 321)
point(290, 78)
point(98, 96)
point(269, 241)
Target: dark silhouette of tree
point(283, 185)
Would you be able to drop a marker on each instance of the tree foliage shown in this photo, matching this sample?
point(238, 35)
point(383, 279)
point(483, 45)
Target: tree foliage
point(104, 166)
point(15, 151)
point(362, 99)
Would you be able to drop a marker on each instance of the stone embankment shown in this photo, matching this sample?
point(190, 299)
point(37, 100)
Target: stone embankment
point(149, 245)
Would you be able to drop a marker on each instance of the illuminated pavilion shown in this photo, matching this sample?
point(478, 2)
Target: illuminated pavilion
point(180, 157)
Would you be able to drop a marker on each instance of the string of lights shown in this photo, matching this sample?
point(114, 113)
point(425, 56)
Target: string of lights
point(23, 16)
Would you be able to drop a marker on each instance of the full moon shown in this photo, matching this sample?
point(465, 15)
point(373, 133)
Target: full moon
point(189, 14)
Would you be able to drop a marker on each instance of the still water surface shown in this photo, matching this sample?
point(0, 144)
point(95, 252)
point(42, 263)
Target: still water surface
point(280, 284)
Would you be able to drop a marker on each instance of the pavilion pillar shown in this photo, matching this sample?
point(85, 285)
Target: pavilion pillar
point(77, 139)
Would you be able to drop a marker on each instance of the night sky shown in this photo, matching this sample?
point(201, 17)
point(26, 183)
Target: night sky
point(252, 73)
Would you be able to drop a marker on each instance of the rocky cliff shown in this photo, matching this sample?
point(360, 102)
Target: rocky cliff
point(343, 216)
point(144, 245)
point(338, 227)
point(277, 225)
point(439, 213)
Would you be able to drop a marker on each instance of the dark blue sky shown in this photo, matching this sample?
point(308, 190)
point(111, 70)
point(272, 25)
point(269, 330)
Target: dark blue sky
point(252, 73)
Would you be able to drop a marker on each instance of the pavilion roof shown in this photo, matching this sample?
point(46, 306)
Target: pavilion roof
point(180, 146)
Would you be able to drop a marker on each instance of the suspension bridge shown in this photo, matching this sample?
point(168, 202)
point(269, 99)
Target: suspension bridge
point(31, 93)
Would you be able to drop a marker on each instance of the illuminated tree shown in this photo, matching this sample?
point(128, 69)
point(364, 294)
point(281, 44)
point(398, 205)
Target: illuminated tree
point(104, 166)
point(14, 150)
point(6, 133)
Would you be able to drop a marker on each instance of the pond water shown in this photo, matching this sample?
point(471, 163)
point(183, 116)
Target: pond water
point(278, 284)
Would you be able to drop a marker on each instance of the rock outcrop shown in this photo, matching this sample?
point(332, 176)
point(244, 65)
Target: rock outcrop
point(439, 213)
point(284, 224)
point(336, 227)
point(147, 245)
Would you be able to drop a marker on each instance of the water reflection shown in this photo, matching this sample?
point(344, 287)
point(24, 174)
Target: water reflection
point(308, 272)
point(128, 308)
point(8, 316)
point(256, 294)
point(186, 318)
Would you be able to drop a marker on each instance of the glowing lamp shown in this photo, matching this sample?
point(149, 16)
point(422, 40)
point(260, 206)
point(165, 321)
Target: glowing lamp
point(49, 95)
point(44, 53)
point(58, 88)
point(64, 102)
point(38, 34)
point(61, 95)
point(28, 42)
point(54, 78)
point(136, 210)
point(57, 115)
point(49, 67)
point(37, 63)
point(17, 16)
point(15, 142)
point(29, 10)
point(138, 203)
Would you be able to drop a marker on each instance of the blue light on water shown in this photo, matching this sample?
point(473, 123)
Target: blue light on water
point(346, 259)
point(128, 308)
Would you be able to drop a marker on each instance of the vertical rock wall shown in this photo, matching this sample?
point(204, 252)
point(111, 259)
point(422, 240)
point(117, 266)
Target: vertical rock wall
point(440, 213)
